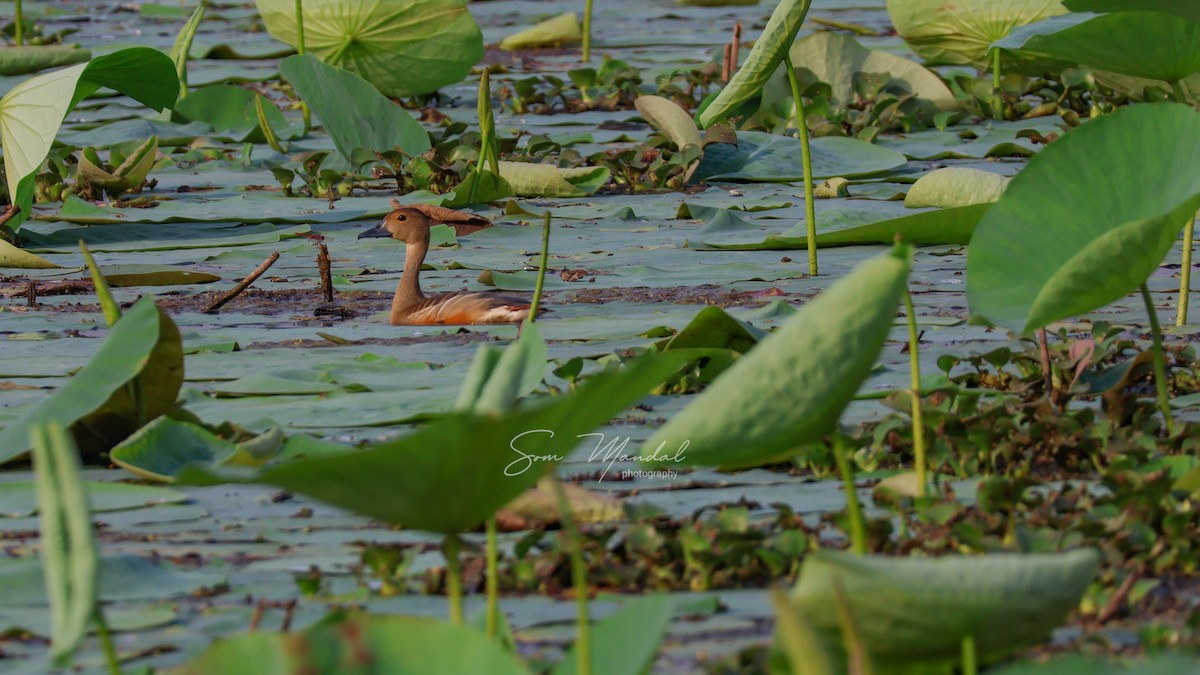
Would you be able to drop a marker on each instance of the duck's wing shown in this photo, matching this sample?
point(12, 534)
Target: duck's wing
point(465, 309)
point(462, 222)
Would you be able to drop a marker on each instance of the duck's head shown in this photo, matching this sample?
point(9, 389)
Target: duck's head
point(410, 224)
point(407, 225)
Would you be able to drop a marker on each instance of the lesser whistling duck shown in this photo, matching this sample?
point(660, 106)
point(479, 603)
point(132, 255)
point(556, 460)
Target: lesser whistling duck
point(410, 224)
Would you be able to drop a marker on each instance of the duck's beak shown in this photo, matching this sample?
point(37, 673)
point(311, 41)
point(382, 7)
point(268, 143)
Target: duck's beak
point(375, 232)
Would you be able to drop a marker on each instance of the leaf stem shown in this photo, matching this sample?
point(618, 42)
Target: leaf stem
point(997, 100)
point(969, 662)
point(450, 546)
point(304, 109)
point(1160, 362)
point(1185, 272)
point(587, 31)
point(18, 25)
point(583, 642)
point(112, 311)
point(541, 280)
point(300, 26)
point(493, 581)
point(106, 642)
point(1177, 89)
point(810, 213)
point(858, 531)
point(915, 378)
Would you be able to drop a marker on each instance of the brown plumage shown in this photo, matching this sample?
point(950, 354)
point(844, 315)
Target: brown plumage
point(410, 224)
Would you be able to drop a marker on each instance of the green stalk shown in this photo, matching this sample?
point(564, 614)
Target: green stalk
point(488, 146)
point(265, 125)
point(858, 530)
point(1160, 362)
point(587, 31)
point(541, 280)
point(810, 207)
point(493, 581)
point(1177, 88)
point(450, 547)
point(915, 373)
point(1185, 272)
point(112, 311)
point(583, 641)
point(69, 553)
point(110, 650)
point(19, 28)
point(300, 27)
point(997, 102)
point(969, 664)
point(300, 50)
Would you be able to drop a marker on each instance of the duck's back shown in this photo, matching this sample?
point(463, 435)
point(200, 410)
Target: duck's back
point(463, 308)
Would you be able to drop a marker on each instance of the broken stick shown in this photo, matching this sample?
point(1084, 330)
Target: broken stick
point(326, 273)
point(11, 211)
point(242, 285)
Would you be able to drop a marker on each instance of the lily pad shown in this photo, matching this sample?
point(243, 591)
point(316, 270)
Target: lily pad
point(160, 449)
point(766, 157)
point(135, 274)
point(18, 499)
point(928, 228)
point(15, 258)
point(31, 59)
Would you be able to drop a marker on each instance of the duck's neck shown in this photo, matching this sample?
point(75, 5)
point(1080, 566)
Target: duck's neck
point(408, 292)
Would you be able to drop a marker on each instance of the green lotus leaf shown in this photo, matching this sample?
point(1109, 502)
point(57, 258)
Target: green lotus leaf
point(31, 59)
point(128, 175)
point(913, 613)
point(955, 186)
point(353, 112)
point(928, 228)
point(420, 480)
point(546, 180)
point(764, 59)
point(1088, 219)
point(15, 258)
point(759, 156)
point(791, 388)
point(835, 59)
point(1183, 8)
point(398, 645)
point(32, 111)
point(1140, 44)
point(558, 31)
point(962, 32)
point(402, 47)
